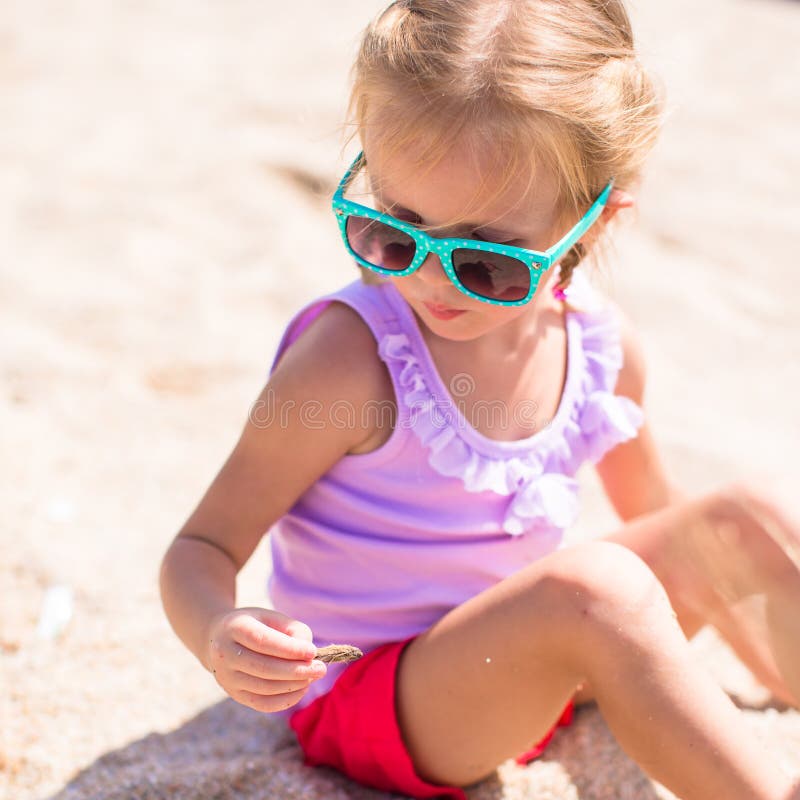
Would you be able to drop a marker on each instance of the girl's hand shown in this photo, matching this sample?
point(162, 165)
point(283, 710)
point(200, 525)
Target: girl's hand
point(261, 658)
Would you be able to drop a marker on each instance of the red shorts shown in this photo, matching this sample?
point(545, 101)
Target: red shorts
point(354, 729)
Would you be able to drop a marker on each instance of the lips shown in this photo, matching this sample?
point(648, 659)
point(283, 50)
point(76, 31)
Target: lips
point(443, 312)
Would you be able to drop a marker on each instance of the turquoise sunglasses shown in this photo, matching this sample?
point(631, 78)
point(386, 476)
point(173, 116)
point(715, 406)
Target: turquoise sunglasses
point(493, 273)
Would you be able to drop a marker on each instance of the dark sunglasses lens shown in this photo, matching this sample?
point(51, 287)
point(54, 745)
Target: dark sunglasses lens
point(492, 275)
point(379, 244)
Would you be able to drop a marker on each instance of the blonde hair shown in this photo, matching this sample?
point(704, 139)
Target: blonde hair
point(529, 81)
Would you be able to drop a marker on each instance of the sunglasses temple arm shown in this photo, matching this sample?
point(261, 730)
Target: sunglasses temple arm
point(558, 249)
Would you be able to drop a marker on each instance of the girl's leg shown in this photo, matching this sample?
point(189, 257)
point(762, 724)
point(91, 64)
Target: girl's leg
point(723, 559)
point(492, 676)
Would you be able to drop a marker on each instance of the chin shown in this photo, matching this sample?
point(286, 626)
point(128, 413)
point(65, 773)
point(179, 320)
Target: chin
point(452, 334)
point(459, 329)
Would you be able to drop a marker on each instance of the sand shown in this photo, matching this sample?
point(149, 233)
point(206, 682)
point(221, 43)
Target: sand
point(164, 180)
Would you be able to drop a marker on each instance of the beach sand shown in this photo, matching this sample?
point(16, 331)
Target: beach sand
point(165, 173)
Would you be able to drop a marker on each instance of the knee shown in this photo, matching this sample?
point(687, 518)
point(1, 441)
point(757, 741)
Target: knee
point(604, 587)
point(750, 517)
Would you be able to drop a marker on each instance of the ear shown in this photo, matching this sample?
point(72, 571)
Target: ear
point(617, 200)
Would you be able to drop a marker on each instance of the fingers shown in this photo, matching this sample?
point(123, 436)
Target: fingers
point(291, 627)
point(261, 637)
point(271, 703)
point(262, 658)
point(299, 630)
point(267, 688)
point(274, 668)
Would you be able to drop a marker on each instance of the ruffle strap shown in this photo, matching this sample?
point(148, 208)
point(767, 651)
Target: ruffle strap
point(607, 420)
point(601, 419)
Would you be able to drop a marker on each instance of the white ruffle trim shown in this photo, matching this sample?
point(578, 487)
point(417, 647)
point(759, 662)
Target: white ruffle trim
point(539, 481)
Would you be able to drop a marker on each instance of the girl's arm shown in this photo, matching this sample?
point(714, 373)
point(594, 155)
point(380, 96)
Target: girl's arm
point(286, 444)
point(633, 474)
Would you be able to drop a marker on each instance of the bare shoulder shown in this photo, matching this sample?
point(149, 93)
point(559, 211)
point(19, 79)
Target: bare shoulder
point(297, 429)
point(335, 360)
point(633, 472)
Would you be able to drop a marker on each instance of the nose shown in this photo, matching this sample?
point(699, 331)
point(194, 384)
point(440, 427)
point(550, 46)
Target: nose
point(432, 272)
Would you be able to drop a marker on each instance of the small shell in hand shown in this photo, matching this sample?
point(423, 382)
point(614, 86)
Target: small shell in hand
point(338, 652)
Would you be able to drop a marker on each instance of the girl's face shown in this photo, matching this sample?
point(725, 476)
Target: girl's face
point(451, 191)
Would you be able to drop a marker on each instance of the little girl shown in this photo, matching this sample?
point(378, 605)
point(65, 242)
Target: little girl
point(414, 451)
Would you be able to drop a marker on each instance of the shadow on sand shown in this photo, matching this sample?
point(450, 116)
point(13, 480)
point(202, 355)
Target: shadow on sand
point(231, 751)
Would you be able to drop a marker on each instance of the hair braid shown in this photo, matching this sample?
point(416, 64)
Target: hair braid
point(567, 264)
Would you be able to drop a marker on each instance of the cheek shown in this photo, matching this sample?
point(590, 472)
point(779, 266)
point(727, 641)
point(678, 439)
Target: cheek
point(547, 281)
point(487, 318)
point(400, 284)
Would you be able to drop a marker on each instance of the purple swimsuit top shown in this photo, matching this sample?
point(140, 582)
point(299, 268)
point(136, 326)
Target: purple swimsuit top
point(387, 542)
